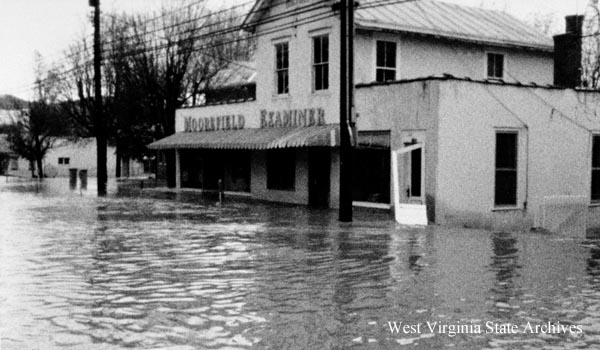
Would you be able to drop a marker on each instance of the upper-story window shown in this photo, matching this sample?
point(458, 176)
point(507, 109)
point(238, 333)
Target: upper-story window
point(282, 64)
point(495, 65)
point(386, 61)
point(320, 63)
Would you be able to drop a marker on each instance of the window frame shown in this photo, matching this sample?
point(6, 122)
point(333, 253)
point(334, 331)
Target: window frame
point(13, 164)
point(285, 89)
point(514, 169)
point(593, 199)
point(386, 68)
point(494, 76)
point(322, 64)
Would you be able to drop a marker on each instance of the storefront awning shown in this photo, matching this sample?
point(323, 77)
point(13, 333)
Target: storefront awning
point(374, 139)
point(257, 139)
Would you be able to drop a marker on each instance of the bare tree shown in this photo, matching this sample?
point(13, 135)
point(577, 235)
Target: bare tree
point(591, 46)
point(35, 129)
point(544, 22)
point(161, 63)
point(152, 66)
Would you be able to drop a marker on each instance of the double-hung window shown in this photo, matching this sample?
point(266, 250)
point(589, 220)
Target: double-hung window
point(506, 169)
point(495, 66)
point(386, 61)
point(595, 195)
point(282, 65)
point(320, 62)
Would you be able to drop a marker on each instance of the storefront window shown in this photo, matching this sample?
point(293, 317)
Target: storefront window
point(281, 170)
point(371, 175)
point(204, 168)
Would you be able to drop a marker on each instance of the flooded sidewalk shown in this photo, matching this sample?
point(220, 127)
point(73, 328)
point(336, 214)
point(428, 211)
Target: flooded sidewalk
point(141, 269)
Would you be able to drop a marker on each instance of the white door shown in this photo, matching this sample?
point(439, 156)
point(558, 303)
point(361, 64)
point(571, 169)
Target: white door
point(408, 180)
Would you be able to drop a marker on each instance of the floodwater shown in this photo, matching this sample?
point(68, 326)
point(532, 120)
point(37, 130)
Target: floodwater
point(145, 270)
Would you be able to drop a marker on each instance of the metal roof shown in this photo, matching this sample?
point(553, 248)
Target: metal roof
point(451, 21)
point(236, 73)
point(254, 139)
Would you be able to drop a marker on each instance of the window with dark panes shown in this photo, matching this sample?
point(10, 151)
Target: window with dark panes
point(506, 169)
point(495, 65)
point(386, 61)
point(281, 169)
point(321, 63)
point(596, 168)
point(282, 64)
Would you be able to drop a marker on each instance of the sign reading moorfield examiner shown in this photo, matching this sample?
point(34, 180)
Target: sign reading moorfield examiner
point(290, 118)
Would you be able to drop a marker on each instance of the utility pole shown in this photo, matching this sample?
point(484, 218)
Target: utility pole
point(99, 122)
point(346, 107)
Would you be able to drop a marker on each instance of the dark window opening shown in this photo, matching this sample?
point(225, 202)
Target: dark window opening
point(321, 63)
point(596, 168)
point(282, 64)
point(506, 169)
point(281, 170)
point(386, 61)
point(371, 180)
point(495, 66)
point(204, 169)
point(415, 172)
point(64, 160)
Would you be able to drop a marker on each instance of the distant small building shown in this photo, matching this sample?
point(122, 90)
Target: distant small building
point(9, 161)
point(68, 154)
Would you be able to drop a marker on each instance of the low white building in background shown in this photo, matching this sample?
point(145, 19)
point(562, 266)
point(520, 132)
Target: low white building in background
point(81, 154)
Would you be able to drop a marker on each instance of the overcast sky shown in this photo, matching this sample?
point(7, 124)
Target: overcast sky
point(49, 26)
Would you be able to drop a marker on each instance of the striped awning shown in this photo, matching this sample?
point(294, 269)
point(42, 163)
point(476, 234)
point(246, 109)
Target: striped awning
point(254, 139)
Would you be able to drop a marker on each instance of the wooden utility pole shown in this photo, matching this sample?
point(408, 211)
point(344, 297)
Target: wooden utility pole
point(346, 107)
point(99, 122)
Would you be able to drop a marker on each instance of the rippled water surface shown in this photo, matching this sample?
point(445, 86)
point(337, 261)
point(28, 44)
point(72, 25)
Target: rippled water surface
point(146, 270)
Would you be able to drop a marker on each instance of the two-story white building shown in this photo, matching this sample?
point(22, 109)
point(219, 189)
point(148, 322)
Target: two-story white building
point(470, 86)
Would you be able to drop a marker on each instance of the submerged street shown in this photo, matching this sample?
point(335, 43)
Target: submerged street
point(156, 270)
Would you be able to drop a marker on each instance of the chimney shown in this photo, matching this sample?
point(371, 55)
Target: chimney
point(567, 54)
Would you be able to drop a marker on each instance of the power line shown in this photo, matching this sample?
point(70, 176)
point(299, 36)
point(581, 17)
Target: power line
point(304, 9)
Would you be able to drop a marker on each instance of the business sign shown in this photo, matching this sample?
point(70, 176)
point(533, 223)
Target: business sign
point(224, 122)
point(292, 118)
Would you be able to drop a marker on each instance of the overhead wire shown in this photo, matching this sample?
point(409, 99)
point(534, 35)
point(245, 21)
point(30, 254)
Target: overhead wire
point(304, 9)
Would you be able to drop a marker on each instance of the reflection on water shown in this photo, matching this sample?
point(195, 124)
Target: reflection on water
point(178, 272)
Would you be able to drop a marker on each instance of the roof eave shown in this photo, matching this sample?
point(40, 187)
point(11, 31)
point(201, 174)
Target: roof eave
point(471, 40)
point(251, 17)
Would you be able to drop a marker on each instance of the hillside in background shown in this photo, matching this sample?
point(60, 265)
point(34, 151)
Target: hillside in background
point(12, 102)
